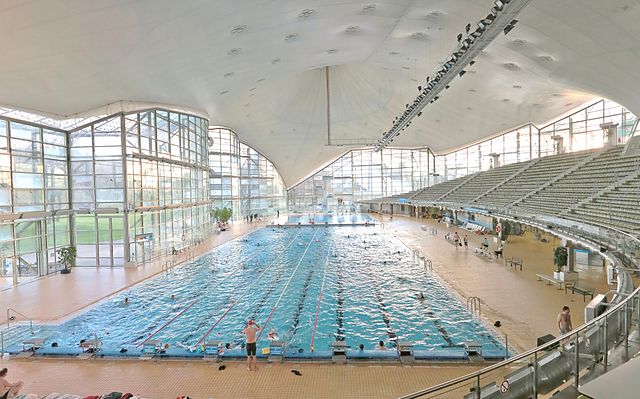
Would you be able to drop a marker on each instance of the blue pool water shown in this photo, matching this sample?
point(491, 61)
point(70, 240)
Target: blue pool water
point(354, 283)
point(339, 218)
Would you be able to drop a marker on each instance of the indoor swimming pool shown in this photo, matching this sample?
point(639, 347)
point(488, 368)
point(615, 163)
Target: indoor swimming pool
point(311, 285)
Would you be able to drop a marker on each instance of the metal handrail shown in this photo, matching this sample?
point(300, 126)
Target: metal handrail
point(18, 313)
point(523, 355)
point(477, 374)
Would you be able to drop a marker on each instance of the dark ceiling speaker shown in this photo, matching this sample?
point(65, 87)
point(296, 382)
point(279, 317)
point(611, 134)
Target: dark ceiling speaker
point(603, 249)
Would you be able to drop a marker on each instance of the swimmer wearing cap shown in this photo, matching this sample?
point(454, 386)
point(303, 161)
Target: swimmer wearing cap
point(250, 331)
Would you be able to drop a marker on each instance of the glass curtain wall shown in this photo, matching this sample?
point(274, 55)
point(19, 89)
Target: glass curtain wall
point(34, 192)
point(362, 174)
point(243, 179)
point(124, 188)
point(166, 183)
point(144, 184)
point(579, 131)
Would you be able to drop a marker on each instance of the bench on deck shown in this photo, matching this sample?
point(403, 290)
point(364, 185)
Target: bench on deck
point(484, 252)
point(513, 262)
point(580, 289)
point(550, 280)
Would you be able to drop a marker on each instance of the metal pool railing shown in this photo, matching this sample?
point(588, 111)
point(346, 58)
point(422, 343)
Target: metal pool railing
point(545, 368)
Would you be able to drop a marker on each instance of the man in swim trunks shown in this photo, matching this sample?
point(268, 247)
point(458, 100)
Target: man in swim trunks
point(564, 321)
point(250, 331)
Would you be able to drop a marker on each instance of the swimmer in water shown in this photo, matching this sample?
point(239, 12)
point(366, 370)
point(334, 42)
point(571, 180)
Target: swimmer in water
point(421, 296)
point(173, 297)
point(126, 301)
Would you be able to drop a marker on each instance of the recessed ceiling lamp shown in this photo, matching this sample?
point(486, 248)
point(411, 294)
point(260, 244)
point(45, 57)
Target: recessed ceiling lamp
point(238, 29)
point(419, 36)
point(234, 51)
point(352, 29)
point(332, 51)
point(290, 36)
point(368, 8)
point(306, 13)
point(512, 66)
point(275, 61)
point(223, 92)
point(228, 74)
point(517, 87)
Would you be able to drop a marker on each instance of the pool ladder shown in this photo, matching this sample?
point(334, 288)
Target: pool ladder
point(473, 305)
point(421, 260)
point(4, 333)
point(167, 267)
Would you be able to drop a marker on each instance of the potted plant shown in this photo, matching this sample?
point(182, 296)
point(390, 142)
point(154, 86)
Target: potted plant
point(560, 256)
point(222, 215)
point(67, 257)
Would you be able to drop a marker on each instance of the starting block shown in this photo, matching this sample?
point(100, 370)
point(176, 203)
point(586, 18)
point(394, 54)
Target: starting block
point(150, 348)
point(405, 351)
point(276, 351)
point(339, 352)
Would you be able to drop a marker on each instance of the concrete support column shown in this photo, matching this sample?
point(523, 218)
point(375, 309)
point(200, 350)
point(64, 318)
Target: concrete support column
point(571, 257)
point(570, 274)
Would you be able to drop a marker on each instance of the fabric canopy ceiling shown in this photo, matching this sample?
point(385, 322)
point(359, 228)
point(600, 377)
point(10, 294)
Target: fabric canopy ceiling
point(260, 67)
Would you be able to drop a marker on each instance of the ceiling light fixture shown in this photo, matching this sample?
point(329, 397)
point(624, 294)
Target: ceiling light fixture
point(509, 27)
point(500, 17)
point(306, 13)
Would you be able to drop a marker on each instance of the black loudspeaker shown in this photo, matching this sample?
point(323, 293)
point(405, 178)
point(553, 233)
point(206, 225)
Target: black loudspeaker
point(603, 249)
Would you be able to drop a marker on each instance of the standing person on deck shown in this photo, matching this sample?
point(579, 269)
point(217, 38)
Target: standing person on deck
point(564, 321)
point(250, 331)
